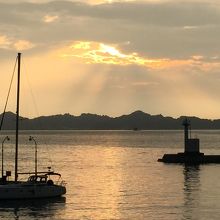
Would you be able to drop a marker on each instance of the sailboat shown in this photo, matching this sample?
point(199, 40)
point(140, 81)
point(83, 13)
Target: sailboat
point(39, 184)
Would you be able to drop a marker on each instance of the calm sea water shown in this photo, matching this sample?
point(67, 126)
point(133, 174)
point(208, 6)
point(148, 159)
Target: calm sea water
point(115, 175)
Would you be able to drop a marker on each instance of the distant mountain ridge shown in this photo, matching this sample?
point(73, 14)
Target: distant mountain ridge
point(137, 120)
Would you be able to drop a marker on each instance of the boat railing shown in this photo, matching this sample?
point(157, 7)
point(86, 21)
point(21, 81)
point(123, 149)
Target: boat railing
point(60, 183)
point(47, 174)
point(63, 183)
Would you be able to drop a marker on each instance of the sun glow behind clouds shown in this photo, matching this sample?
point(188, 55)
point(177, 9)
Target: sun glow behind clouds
point(111, 50)
point(100, 53)
point(95, 52)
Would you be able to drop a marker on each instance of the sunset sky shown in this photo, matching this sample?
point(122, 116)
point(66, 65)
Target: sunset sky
point(113, 57)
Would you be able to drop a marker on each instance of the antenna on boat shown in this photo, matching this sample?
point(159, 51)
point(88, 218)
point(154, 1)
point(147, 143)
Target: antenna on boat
point(17, 118)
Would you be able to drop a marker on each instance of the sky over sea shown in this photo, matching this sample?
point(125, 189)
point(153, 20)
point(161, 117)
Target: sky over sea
point(112, 57)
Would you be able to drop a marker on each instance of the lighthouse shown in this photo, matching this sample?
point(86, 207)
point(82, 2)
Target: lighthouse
point(191, 145)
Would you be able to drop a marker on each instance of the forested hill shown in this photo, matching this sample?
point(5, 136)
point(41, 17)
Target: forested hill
point(137, 120)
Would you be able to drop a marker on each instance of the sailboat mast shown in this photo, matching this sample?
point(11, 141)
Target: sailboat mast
point(17, 118)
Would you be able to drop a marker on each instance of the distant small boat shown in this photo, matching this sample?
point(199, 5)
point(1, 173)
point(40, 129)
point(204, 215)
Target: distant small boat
point(39, 184)
point(135, 129)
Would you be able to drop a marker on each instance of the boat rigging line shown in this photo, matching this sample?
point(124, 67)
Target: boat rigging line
point(9, 91)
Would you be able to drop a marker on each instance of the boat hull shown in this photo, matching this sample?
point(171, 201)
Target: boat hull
point(30, 191)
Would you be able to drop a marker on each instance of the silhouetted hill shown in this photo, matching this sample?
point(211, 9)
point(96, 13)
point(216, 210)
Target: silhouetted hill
point(137, 120)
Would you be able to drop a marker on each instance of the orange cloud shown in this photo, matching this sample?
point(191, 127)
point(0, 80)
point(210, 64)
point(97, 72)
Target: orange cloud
point(49, 18)
point(23, 45)
point(11, 44)
point(100, 53)
point(4, 42)
point(94, 52)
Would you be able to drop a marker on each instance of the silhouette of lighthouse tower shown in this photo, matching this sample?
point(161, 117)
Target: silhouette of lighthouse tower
point(191, 145)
